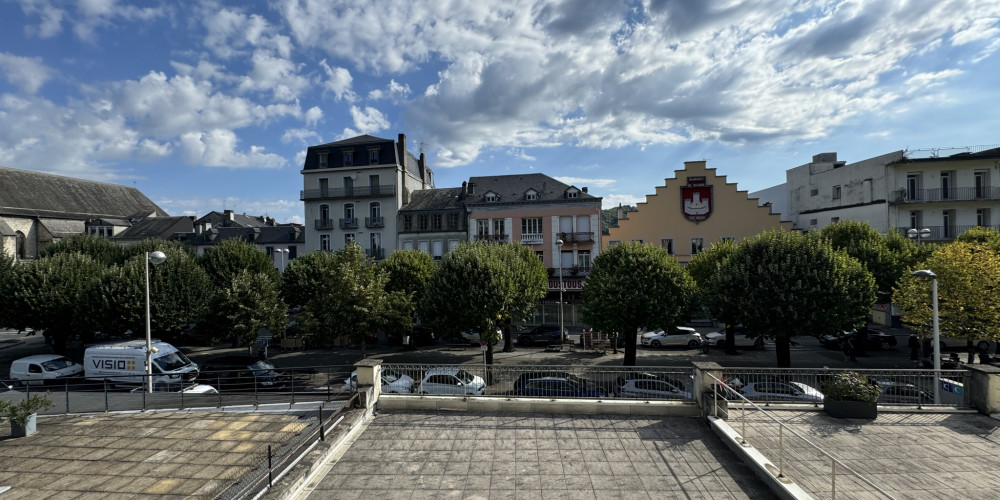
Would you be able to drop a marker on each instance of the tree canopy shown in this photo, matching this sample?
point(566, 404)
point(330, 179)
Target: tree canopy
point(250, 303)
point(785, 284)
point(869, 248)
point(103, 250)
point(704, 269)
point(631, 286)
point(408, 271)
point(225, 260)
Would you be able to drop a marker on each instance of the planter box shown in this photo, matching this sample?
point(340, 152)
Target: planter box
point(18, 431)
point(850, 409)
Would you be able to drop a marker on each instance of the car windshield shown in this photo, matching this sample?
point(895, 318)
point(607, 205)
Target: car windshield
point(261, 368)
point(171, 361)
point(57, 364)
point(389, 376)
point(464, 376)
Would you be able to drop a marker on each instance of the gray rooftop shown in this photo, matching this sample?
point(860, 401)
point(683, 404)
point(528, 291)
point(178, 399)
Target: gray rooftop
point(35, 194)
point(156, 227)
point(284, 234)
point(512, 189)
point(434, 199)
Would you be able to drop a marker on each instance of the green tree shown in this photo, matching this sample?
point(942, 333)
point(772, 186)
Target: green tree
point(483, 286)
point(784, 284)
point(408, 272)
point(704, 268)
point(968, 277)
point(225, 260)
point(304, 277)
point(631, 286)
point(250, 303)
point(10, 315)
point(985, 236)
point(869, 247)
point(100, 249)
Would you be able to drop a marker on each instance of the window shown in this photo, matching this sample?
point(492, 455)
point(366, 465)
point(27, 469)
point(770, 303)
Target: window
point(531, 225)
point(583, 257)
point(982, 216)
point(349, 185)
point(531, 195)
point(349, 211)
point(422, 222)
point(324, 242)
point(913, 187)
point(813, 222)
point(697, 245)
point(728, 238)
point(566, 259)
point(491, 197)
point(407, 223)
point(376, 241)
point(498, 227)
point(453, 221)
point(836, 192)
point(612, 243)
point(348, 238)
point(668, 243)
point(813, 192)
point(436, 222)
point(269, 251)
point(293, 252)
point(348, 158)
point(373, 183)
point(834, 220)
point(324, 187)
point(407, 245)
point(571, 194)
point(946, 186)
point(916, 219)
point(639, 240)
point(482, 227)
point(948, 221)
point(982, 180)
point(324, 213)
point(324, 159)
point(540, 255)
point(373, 156)
point(452, 245)
point(437, 249)
point(375, 210)
point(423, 246)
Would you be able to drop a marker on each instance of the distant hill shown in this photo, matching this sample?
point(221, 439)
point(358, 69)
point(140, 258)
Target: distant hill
point(609, 217)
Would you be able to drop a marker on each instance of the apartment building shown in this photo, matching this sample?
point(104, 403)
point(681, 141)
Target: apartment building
point(434, 221)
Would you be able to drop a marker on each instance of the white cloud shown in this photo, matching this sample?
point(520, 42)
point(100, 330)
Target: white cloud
point(613, 200)
point(312, 116)
point(282, 210)
point(300, 136)
point(368, 120)
point(217, 148)
point(580, 181)
point(922, 81)
point(276, 75)
point(339, 81)
point(27, 73)
point(86, 15)
point(395, 91)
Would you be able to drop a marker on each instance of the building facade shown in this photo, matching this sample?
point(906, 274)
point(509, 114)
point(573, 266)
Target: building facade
point(353, 190)
point(434, 221)
point(946, 194)
point(560, 222)
point(692, 211)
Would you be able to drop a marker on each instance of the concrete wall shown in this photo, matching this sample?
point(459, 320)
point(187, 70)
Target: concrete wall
point(529, 405)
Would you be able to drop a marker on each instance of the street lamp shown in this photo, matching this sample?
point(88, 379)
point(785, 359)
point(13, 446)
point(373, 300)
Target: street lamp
point(156, 258)
point(559, 244)
point(281, 259)
point(922, 233)
point(927, 273)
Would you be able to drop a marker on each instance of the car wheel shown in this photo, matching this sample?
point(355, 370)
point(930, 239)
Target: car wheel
point(693, 343)
point(655, 343)
point(721, 343)
point(983, 345)
point(758, 344)
point(884, 345)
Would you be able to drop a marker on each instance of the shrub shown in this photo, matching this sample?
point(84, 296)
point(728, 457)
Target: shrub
point(851, 386)
point(18, 412)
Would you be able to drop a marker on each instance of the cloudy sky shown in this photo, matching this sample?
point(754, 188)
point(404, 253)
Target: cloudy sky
point(210, 105)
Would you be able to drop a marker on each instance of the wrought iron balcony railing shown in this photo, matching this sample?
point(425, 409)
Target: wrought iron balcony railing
point(324, 223)
point(349, 223)
point(374, 222)
point(496, 238)
point(352, 192)
point(950, 194)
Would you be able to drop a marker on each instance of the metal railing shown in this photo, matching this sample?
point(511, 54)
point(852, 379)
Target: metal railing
point(228, 388)
point(349, 223)
point(645, 383)
point(324, 223)
point(793, 462)
point(946, 194)
point(374, 222)
point(375, 253)
point(532, 239)
point(352, 192)
point(945, 232)
point(498, 238)
point(578, 237)
point(913, 388)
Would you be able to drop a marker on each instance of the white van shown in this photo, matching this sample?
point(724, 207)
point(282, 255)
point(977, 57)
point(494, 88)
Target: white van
point(43, 368)
point(124, 363)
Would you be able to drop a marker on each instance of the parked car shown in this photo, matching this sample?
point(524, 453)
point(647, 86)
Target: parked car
point(742, 338)
point(448, 381)
point(781, 391)
point(235, 373)
point(647, 388)
point(557, 387)
point(542, 334)
point(675, 379)
point(44, 368)
point(472, 336)
point(421, 336)
point(679, 336)
point(903, 393)
point(872, 340)
point(393, 382)
point(199, 389)
point(961, 344)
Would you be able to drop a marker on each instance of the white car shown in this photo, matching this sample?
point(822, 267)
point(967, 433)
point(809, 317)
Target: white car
point(648, 388)
point(199, 389)
point(718, 339)
point(44, 368)
point(393, 382)
point(679, 336)
point(451, 381)
point(781, 391)
point(472, 336)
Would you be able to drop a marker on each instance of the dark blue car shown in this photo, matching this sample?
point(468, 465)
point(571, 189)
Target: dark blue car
point(556, 387)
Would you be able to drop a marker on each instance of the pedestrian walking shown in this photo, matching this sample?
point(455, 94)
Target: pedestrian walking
point(914, 345)
point(849, 352)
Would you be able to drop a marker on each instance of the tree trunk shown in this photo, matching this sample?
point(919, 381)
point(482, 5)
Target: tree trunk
point(783, 352)
point(630, 344)
point(489, 363)
point(971, 349)
point(508, 337)
point(730, 338)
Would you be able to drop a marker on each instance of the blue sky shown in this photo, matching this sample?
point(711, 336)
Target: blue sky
point(205, 105)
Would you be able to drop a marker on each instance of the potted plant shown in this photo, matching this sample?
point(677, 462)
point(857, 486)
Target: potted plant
point(22, 414)
point(851, 395)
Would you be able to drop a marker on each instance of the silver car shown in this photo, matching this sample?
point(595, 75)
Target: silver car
point(781, 391)
point(679, 336)
point(392, 382)
point(647, 388)
point(451, 381)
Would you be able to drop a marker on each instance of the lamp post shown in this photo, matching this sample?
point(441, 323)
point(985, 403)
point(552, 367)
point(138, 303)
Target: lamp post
point(281, 259)
point(559, 244)
point(156, 258)
point(927, 273)
point(922, 233)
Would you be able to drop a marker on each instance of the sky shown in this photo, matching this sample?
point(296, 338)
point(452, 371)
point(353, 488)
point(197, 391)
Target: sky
point(210, 105)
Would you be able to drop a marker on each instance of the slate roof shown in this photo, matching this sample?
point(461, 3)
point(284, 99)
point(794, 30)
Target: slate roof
point(265, 235)
point(411, 161)
point(5, 229)
point(157, 227)
point(35, 194)
point(511, 189)
point(61, 228)
point(221, 219)
point(434, 199)
point(361, 139)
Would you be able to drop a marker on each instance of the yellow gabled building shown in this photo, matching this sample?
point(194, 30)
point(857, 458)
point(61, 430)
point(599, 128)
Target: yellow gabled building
point(692, 211)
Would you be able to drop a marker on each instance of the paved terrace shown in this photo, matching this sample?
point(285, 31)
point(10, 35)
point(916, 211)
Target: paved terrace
point(139, 455)
point(467, 455)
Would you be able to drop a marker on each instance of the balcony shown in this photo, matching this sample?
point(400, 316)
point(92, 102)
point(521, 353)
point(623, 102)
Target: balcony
point(375, 253)
point(379, 191)
point(938, 195)
point(495, 238)
point(374, 222)
point(324, 223)
point(569, 271)
point(349, 223)
point(586, 237)
point(944, 233)
point(532, 239)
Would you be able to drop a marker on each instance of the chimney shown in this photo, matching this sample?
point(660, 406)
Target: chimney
point(465, 190)
point(621, 212)
point(423, 171)
point(584, 189)
point(401, 153)
point(472, 188)
point(229, 215)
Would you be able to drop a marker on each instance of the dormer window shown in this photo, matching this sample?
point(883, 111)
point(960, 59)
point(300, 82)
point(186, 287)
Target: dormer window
point(373, 156)
point(531, 195)
point(491, 197)
point(348, 158)
point(572, 192)
point(324, 159)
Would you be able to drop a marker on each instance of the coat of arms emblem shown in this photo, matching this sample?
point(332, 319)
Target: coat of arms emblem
point(696, 199)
